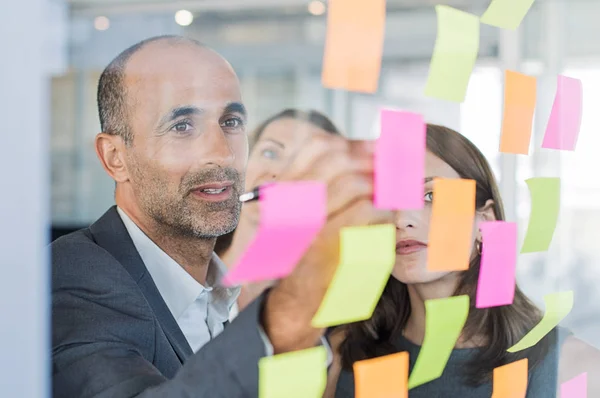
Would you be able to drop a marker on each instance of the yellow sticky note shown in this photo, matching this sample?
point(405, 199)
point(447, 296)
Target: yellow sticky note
point(558, 306)
point(382, 377)
point(297, 374)
point(451, 231)
point(506, 14)
point(454, 55)
point(367, 257)
point(510, 380)
point(444, 320)
point(354, 44)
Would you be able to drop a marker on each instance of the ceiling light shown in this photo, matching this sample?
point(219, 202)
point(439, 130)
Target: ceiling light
point(316, 7)
point(184, 17)
point(101, 23)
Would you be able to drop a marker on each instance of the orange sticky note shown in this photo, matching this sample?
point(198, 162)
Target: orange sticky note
point(382, 377)
point(354, 45)
point(510, 380)
point(520, 93)
point(451, 231)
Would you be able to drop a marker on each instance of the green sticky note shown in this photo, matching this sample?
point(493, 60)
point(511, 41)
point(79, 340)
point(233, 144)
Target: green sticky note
point(558, 306)
point(454, 55)
point(506, 14)
point(444, 320)
point(367, 257)
point(297, 374)
point(545, 205)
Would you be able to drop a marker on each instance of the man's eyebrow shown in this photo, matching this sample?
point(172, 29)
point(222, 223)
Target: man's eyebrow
point(176, 113)
point(235, 107)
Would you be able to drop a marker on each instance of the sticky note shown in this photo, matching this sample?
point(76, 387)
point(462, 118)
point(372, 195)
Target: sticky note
point(496, 285)
point(400, 161)
point(510, 380)
point(382, 377)
point(545, 205)
point(575, 388)
point(506, 14)
point(520, 92)
point(558, 306)
point(367, 257)
point(354, 45)
point(454, 54)
point(291, 215)
point(451, 231)
point(564, 123)
point(297, 374)
point(444, 320)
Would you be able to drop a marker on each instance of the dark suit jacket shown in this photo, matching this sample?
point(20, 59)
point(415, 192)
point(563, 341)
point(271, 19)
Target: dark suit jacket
point(113, 335)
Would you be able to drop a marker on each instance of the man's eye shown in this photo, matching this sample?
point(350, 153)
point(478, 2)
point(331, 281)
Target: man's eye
point(232, 123)
point(182, 127)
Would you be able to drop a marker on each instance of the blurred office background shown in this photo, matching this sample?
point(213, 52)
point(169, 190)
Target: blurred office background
point(276, 48)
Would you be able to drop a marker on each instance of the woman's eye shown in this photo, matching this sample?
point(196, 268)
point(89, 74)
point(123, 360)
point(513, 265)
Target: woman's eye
point(182, 127)
point(429, 197)
point(269, 154)
point(232, 123)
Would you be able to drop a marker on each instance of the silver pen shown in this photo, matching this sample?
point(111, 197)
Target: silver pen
point(250, 196)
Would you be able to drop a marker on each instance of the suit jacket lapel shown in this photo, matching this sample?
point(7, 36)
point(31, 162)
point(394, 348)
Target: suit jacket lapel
point(110, 233)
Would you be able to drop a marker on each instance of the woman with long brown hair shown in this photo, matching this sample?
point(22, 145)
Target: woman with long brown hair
point(398, 322)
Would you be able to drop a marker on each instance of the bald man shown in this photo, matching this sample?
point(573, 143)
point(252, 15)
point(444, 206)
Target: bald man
point(137, 308)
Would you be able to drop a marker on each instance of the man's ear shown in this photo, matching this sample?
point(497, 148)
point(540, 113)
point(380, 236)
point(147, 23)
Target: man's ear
point(486, 213)
point(110, 149)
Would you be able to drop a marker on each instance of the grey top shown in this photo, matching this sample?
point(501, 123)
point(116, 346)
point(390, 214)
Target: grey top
point(542, 379)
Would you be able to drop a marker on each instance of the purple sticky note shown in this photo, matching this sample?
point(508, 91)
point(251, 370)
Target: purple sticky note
point(575, 388)
point(400, 161)
point(496, 285)
point(565, 118)
point(291, 215)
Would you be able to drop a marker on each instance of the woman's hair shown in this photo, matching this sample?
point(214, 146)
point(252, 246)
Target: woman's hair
point(313, 117)
point(501, 327)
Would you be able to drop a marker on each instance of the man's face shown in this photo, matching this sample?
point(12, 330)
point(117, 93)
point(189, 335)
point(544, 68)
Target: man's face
point(189, 152)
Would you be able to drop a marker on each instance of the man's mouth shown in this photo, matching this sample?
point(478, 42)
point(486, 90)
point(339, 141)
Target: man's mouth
point(214, 192)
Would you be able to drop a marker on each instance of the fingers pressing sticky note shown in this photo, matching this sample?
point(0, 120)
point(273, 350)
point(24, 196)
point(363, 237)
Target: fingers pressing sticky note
point(563, 127)
point(454, 55)
point(367, 256)
point(558, 306)
point(354, 44)
point(506, 14)
point(291, 215)
point(382, 377)
point(451, 232)
point(496, 285)
point(297, 374)
point(520, 93)
point(400, 161)
point(574, 388)
point(510, 380)
point(444, 320)
point(545, 206)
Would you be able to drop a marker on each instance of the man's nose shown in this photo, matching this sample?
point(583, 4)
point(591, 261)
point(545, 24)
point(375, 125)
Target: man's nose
point(216, 148)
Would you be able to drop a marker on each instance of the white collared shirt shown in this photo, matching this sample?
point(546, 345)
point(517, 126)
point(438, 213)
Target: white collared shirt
point(198, 310)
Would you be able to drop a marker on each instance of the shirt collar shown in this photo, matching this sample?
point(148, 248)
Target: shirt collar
point(178, 288)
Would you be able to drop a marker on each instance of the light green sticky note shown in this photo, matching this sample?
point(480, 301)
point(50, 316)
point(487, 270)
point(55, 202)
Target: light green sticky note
point(297, 374)
point(454, 55)
point(444, 320)
point(545, 206)
point(506, 14)
point(367, 257)
point(558, 306)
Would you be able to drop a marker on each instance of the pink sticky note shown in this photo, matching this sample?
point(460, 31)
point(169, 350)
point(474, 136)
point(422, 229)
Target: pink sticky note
point(575, 388)
point(400, 161)
point(565, 118)
point(496, 285)
point(291, 215)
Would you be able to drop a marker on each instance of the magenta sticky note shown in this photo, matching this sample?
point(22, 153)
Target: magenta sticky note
point(291, 215)
point(400, 161)
point(496, 285)
point(575, 388)
point(565, 118)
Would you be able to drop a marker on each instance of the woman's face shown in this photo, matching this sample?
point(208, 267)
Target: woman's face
point(412, 229)
point(278, 143)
